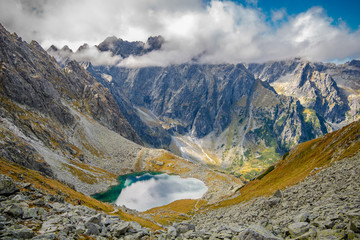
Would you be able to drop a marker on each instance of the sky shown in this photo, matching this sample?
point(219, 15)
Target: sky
point(202, 31)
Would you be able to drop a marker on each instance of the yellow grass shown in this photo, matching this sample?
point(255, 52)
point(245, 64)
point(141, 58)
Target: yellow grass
point(301, 160)
point(176, 211)
point(53, 186)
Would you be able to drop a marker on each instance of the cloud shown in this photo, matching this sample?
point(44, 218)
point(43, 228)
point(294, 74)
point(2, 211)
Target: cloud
point(96, 57)
point(216, 32)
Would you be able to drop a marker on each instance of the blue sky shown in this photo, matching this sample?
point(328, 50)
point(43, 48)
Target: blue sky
point(345, 10)
point(208, 31)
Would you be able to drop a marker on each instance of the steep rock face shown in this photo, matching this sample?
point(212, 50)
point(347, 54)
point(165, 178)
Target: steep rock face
point(219, 114)
point(58, 120)
point(31, 77)
point(328, 89)
point(124, 48)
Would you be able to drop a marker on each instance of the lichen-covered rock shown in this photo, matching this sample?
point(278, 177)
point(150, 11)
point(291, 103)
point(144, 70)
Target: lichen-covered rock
point(7, 185)
point(256, 232)
point(298, 228)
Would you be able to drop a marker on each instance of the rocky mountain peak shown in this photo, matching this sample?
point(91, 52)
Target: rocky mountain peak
point(83, 47)
point(154, 43)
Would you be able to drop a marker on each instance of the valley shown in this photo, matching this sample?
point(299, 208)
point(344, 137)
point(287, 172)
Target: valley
point(276, 144)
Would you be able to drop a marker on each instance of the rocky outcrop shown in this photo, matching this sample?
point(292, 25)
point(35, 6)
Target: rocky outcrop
point(324, 87)
point(221, 109)
point(34, 214)
point(124, 48)
point(32, 78)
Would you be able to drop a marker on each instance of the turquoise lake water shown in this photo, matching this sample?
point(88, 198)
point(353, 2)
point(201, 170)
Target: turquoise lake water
point(146, 190)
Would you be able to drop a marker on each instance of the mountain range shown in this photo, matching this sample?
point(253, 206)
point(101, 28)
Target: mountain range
point(241, 118)
point(69, 129)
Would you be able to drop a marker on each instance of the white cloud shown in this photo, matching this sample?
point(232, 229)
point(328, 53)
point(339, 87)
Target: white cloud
point(215, 33)
point(96, 57)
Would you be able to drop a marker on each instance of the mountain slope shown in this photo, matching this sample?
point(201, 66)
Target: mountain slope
point(215, 114)
point(64, 123)
point(331, 90)
point(313, 193)
point(303, 160)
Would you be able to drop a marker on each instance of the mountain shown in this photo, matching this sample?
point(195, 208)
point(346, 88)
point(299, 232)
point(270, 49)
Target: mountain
point(223, 115)
point(217, 114)
point(63, 123)
point(331, 90)
point(64, 137)
point(310, 193)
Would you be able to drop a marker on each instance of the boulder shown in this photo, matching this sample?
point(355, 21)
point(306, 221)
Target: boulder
point(172, 231)
point(299, 228)
point(7, 185)
point(278, 194)
point(302, 217)
point(256, 232)
point(92, 229)
point(120, 229)
point(14, 210)
point(330, 234)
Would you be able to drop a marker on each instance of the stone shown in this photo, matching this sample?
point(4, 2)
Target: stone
point(225, 234)
point(7, 185)
point(277, 194)
point(184, 227)
point(14, 210)
point(94, 219)
point(80, 228)
point(172, 231)
point(92, 229)
point(330, 234)
point(190, 234)
point(159, 163)
point(21, 233)
point(256, 232)
point(273, 201)
point(120, 229)
point(311, 234)
point(354, 226)
point(30, 213)
point(302, 217)
point(46, 236)
point(298, 229)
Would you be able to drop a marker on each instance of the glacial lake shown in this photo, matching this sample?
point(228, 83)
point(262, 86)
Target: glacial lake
point(146, 190)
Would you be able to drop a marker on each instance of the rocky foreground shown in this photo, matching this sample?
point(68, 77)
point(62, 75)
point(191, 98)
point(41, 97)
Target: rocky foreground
point(324, 206)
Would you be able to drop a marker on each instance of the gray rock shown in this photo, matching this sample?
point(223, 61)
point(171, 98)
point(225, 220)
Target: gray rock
point(80, 229)
point(92, 229)
point(225, 234)
point(273, 201)
point(172, 231)
point(30, 213)
point(45, 236)
point(94, 219)
point(354, 226)
point(7, 185)
point(302, 217)
point(184, 227)
point(14, 210)
point(120, 229)
point(256, 232)
point(277, 194)
point(20, 233)
point(299, 228)
point(330, 234)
